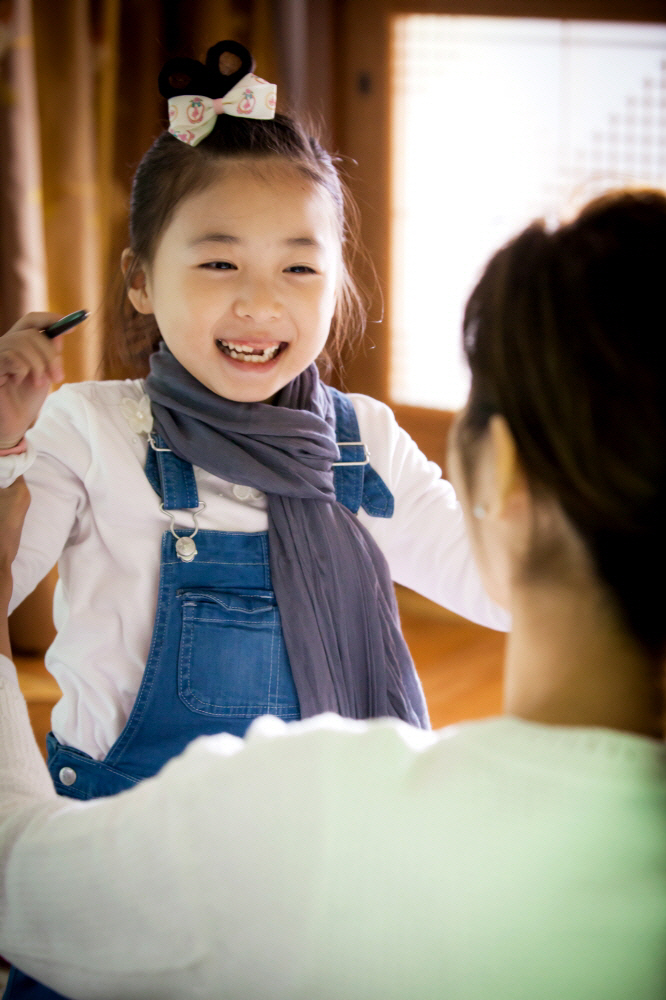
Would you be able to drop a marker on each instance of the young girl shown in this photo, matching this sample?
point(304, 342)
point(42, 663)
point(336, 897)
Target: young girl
point(228, 529)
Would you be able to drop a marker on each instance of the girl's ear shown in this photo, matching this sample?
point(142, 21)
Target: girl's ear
point(137, 291)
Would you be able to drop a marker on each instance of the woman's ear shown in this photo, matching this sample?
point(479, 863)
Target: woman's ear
point(137, 291)
point(509, 485)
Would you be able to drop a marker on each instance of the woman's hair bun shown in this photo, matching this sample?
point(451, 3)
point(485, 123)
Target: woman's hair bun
point(227, 63)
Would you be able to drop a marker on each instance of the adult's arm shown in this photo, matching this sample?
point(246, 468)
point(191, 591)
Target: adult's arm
point(208, 880)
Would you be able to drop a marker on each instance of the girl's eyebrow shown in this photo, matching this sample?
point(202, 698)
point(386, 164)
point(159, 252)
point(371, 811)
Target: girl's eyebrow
point(227, 239)
point(214, 238)
point(304, 241)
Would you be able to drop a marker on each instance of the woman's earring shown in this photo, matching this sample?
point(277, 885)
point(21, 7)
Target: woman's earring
point(479, 511)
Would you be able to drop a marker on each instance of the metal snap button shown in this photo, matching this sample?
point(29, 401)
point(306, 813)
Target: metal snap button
point(67, 775)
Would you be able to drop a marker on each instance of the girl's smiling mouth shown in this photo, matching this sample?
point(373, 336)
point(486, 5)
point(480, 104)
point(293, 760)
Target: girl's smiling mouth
point(252, 353)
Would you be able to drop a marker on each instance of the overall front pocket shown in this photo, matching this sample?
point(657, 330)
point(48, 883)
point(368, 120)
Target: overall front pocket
point(232, 660)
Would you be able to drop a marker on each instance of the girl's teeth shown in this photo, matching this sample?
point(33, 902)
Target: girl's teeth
point(243, 352)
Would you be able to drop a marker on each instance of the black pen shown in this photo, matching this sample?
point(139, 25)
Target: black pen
point(66, 323)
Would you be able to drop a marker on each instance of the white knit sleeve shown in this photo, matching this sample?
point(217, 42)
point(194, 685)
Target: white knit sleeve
point(58, 459)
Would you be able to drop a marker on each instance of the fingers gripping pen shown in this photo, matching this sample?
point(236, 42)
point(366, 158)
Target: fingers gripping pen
point(54, 330)
point(66, 323)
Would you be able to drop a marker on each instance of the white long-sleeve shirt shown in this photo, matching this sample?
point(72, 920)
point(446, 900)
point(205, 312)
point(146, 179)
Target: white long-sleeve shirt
point(94, 512)
point(333, 859)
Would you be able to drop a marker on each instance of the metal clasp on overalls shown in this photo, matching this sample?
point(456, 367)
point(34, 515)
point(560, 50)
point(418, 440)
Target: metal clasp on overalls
point(353, 444)
point(151, 442)
point(185, 547)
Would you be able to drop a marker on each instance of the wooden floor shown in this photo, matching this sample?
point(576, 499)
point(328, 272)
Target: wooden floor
point(459, 664)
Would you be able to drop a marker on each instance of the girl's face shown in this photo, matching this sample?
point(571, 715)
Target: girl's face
point(244, 279)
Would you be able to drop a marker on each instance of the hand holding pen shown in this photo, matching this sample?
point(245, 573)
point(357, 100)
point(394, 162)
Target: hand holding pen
point(65, 324)
point(30, 360)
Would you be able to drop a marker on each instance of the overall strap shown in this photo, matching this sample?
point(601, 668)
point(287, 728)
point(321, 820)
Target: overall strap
point(171, 477)
point(356, 482)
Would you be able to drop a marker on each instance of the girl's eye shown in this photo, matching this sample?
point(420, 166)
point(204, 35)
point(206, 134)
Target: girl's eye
point(301, 269)
point(219, 265)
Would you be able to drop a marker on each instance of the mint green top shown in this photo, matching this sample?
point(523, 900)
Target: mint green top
point(334, 860)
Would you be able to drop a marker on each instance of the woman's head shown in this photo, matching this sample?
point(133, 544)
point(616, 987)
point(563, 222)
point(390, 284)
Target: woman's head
point(172, 172)
point(565, 337)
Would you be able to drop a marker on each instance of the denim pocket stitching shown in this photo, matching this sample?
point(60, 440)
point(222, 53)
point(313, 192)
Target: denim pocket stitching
point(193, 616)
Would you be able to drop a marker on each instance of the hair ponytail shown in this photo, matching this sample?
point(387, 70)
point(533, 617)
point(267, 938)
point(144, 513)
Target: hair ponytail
point(566, 337)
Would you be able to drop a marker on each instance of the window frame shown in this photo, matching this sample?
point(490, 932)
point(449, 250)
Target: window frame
point(362, 129)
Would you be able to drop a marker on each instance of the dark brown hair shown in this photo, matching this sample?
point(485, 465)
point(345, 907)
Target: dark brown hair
point(172, 170)
point(565, 335)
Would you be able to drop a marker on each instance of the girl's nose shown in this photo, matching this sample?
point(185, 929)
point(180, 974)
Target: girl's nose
point(257, 301)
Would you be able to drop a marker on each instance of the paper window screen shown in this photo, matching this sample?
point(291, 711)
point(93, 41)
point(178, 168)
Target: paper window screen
point(494, 122)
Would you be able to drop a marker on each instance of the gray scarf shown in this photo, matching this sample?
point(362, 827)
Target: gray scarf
point(332, 583)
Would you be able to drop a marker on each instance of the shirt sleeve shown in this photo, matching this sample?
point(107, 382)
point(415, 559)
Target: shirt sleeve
point(13, 466)
point(57, 462)
point(135, 894)
point(425, 542)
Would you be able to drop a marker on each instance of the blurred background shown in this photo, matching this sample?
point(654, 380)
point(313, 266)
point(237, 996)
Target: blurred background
point(456, 123)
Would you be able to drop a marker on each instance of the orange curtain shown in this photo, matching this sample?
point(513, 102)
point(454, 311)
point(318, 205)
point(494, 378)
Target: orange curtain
point(23, 261)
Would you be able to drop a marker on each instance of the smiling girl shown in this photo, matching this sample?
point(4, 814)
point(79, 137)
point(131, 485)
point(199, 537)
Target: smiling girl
point(248, 269)
point(227, 529)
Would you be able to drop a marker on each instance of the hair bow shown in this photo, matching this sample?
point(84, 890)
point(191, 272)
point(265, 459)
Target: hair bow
point(197, 94)
point(192, 116)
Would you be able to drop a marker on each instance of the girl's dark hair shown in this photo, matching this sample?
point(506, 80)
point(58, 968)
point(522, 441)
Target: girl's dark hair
point(565, 335)
point(172, 170)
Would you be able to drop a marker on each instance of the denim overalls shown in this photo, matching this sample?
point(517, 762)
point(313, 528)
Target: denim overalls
point(217, 658)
